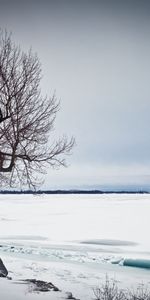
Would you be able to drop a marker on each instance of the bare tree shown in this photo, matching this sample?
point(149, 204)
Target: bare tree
point(26, 119)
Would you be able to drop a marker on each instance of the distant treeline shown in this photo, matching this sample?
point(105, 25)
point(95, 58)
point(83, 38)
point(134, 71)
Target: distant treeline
point(40, 192)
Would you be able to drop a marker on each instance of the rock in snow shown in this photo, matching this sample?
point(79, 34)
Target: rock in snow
point(41, 286)
point(3, 270)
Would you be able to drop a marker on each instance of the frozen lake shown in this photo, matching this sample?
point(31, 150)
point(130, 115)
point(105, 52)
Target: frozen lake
point(76, 239)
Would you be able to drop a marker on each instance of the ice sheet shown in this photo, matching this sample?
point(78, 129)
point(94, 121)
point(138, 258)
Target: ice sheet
point(74, 240)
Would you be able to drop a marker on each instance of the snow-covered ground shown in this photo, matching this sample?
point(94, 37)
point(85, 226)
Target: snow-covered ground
point(75, 240)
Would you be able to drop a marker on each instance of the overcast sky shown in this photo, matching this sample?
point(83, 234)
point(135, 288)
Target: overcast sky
point(96, 55)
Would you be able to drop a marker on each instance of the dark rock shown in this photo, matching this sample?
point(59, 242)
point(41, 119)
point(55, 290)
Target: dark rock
point(56, 289)
point(3, 270)
point(41, 286)
point(70, 296)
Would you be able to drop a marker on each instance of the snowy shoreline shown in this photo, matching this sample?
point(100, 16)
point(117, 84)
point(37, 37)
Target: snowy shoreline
point(68, 277)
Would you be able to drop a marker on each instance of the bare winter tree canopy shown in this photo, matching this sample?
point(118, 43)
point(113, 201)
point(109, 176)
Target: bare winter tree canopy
point(26, 119)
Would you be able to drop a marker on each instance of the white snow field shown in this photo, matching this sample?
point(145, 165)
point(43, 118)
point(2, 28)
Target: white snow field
point(74, 241)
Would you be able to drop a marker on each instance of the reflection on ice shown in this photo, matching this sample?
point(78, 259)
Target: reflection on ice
point(109, 242)
point(23, 237)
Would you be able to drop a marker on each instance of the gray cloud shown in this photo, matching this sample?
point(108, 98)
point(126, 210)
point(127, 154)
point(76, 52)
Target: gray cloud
point(95, 54)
